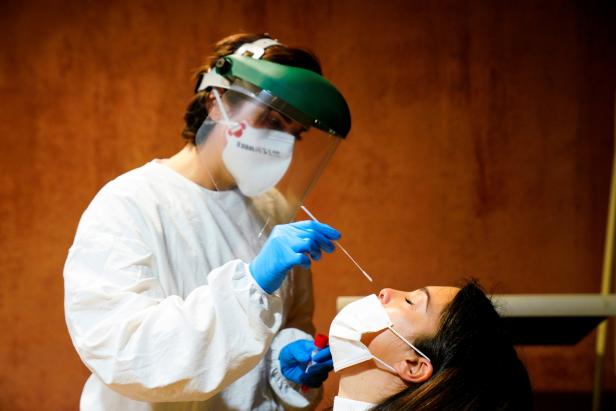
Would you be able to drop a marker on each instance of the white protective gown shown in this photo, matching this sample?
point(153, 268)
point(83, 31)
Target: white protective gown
point(162, 309)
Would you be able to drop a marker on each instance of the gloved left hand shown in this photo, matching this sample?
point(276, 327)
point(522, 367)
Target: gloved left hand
point(294, 358)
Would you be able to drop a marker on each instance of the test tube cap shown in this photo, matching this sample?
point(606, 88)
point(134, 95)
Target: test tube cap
point(321, 341)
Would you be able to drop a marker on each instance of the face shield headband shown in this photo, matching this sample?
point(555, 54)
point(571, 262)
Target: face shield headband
point(255, 50)
point(365, 315)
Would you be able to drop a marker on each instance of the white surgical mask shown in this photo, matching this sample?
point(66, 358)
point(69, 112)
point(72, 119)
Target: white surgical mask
point(257, 158)
point(362, 316)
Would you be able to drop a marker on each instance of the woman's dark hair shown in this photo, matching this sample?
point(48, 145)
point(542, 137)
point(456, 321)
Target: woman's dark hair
point(475, 366)
point(196, 112)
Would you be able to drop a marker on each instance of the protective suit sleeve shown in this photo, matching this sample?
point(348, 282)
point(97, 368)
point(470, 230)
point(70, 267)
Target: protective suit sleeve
point(290, 394)
point(157, 348)
point(302, 307)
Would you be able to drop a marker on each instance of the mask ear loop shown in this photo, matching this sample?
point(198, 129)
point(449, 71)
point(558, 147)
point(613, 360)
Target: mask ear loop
point(410, 344)
point(384, 364)
point(221, 106)
point(224, 113)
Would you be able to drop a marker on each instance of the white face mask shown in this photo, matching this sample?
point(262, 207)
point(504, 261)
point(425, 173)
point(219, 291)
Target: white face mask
point(362, 316)
point(257, 158)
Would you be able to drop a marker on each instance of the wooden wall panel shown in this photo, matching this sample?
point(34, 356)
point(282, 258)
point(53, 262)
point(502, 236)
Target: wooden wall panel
point(481, 146)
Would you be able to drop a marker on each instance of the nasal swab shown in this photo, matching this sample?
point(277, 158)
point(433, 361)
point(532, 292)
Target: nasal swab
point(339, 245)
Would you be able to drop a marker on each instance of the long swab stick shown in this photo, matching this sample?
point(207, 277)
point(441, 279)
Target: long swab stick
point(340, 245)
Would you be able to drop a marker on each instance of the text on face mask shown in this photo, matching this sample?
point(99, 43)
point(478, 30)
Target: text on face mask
point(256, 149)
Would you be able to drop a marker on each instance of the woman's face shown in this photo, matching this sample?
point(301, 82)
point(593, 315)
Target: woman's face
point(414, 314)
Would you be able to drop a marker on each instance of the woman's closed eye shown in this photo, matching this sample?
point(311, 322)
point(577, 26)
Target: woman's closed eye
point(409, 301)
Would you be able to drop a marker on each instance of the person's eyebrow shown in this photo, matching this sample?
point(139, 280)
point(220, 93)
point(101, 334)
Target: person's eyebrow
point(425, 290)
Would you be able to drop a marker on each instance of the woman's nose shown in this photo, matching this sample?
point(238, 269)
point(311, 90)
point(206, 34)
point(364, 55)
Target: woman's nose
point(385, 295)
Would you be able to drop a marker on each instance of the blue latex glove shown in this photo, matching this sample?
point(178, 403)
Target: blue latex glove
point(287, 246)
point(294, 358)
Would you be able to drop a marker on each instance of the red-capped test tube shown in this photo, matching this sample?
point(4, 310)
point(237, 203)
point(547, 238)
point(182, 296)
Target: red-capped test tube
point(320, 341)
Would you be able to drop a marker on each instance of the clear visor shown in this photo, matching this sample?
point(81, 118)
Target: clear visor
point(260, 145)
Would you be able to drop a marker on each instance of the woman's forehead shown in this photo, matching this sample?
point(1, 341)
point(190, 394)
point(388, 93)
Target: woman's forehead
point(440, 290)
point(442, 295)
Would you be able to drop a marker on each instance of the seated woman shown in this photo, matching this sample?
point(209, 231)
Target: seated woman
point(436, 348)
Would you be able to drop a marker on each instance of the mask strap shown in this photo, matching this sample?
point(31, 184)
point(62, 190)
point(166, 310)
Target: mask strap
point(227, 121)
point(384, 364)
point(410, 344)
point(389, 367)
point(221, 106)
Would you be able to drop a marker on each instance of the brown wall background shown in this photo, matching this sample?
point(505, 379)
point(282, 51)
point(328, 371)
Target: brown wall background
point(481, 146)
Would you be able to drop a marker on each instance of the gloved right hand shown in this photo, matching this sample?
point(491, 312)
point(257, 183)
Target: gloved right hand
point(287, 246)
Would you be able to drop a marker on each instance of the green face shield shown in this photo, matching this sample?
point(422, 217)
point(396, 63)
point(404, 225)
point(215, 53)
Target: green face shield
point(274, 128)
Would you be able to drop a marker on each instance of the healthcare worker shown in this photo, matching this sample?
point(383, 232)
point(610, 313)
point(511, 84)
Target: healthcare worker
point(187, 287)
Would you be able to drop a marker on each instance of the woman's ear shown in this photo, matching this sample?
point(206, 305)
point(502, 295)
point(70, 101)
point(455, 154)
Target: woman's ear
point(414, 368)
